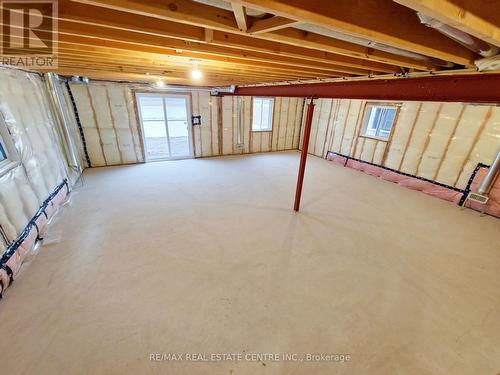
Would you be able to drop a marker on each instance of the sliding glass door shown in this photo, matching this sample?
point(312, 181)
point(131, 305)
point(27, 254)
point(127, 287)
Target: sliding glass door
point(165, 126)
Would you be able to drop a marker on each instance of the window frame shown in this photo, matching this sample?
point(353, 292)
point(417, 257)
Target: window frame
point(7, 142)
point(368, 107)
point(271, 115)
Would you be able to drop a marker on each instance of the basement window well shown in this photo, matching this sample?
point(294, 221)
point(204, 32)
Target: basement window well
point(379, 120)
point(262, 114)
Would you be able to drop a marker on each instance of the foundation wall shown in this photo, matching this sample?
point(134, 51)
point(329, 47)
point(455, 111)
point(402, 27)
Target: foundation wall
point(108, 114)
point(39, 164)
point(442, 142)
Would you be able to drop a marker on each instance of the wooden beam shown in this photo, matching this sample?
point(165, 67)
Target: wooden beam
point(381, 21)
point(270, 24)
point(192, 13)
point(476, 17)
point(240, 16)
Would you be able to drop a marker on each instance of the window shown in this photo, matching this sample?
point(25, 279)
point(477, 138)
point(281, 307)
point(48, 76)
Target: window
point(3, 153)
point(8, 154)
point(379, 120)
point(262, 119)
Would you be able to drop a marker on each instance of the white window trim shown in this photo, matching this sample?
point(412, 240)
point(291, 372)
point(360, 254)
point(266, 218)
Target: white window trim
point(366, 118)
point(12, 160)
point(271, 115)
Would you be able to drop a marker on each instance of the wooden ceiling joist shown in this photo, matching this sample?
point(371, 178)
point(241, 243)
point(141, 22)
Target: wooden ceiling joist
point(381, 21)
point(131, 50)
point(197, 14)
point(77, 13)
point(264, 41)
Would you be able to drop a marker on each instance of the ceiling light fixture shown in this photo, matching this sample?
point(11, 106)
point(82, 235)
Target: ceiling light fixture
point(196, 74)
point(160, 84)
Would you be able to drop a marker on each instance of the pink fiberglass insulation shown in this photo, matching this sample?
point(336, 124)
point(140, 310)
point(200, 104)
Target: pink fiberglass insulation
point(15, 262)
point(60, 197)
point(29, 240)
point(337, 158)
point(373, 170)
point(354, 164)
point(28, 243)
point(41, 222)
point(492, 207)
point(392, 176)
point(443, 193)
point(410, 182)
point(4, 278)
point(50, 210)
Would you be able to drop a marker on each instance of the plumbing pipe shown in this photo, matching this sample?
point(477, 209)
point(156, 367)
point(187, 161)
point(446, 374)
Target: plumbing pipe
point(471, 42)
point(490, 177)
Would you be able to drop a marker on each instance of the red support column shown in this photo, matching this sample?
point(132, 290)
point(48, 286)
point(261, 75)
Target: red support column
point(303, 154)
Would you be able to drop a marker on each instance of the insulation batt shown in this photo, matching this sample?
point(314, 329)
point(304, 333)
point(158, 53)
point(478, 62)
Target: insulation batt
point(39, 164)
point(36, 162)
point(409, 182)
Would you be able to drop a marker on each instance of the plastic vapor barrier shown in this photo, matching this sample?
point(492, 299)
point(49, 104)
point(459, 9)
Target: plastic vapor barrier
point(35, 165)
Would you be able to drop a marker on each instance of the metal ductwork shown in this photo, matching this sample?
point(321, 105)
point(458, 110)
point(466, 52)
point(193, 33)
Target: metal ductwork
point(315, 29)
point(490, 177)
point(488, 63)
point(471, 42)
point(217, 90)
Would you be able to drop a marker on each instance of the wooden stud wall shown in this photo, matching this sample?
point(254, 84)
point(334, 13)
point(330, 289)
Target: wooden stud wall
point(438, 141)
point(109, 123)
point(109, 118)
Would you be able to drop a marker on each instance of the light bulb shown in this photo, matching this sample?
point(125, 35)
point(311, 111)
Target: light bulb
point(196, 74)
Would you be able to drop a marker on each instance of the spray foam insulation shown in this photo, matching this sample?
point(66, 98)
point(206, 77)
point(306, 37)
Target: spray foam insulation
point(442, 142)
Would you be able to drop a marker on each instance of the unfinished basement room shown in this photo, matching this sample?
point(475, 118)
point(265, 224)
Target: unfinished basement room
point(244, 187)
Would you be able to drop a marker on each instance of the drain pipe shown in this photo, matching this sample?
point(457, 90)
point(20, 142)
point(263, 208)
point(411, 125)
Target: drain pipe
point(471, 42)
point(490, 177)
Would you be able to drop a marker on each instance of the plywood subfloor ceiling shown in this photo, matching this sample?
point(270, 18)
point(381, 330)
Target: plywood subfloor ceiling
point(259, 41)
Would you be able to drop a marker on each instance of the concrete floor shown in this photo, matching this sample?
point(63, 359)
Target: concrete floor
point(206, 256)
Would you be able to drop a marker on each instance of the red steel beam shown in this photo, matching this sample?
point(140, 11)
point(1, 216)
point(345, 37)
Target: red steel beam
point(303, 154)
point(469, 88)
